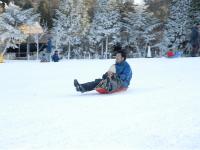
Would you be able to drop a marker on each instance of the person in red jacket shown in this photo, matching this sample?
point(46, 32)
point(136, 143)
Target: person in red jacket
point(170, 53)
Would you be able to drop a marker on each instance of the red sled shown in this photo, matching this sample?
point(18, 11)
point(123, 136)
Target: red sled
point(104, 91)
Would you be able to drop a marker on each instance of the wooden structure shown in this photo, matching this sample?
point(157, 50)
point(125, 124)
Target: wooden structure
point(34, 29)
point(1, 58)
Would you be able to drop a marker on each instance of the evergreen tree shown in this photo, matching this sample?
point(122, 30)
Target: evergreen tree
point(159, 8)
point(71, 24)
point(6, 1)
point(195, 11)
point(127, 10)
point(61, 24)
point(28, 4)
point(105, 24)
point(44, 9)
point(18, 3)
point(177, 25)
point(141, 28)
point(24, 4)
point(10, 21)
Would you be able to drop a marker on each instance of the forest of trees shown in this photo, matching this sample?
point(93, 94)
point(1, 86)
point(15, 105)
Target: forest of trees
point(91, 27)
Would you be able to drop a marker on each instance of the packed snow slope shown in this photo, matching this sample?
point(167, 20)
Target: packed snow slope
point(40, 109)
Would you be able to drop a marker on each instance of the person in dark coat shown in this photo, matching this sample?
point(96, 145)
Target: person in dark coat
point(43, 58)
point(119, 75)
point(55, 56)
point(195, 39)
point(49, 49)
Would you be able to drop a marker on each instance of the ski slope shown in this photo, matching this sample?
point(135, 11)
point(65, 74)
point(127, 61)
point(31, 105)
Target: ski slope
point(40, 109)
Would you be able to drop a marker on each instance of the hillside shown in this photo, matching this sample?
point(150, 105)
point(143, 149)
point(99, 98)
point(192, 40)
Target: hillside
point(40, 109)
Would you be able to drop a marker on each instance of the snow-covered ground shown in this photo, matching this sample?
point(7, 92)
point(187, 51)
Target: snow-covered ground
point(40, 109)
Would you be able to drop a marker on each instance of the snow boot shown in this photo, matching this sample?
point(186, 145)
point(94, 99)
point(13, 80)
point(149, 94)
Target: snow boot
point(85, 87)
point(79, 87)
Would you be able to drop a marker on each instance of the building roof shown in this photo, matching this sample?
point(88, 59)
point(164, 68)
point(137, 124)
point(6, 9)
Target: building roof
point(31, 29)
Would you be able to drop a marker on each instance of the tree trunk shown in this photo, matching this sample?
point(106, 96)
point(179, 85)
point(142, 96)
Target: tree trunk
point(138, 51)
point(106, 47)
point(102, 50)
point(5, 49)
point(28, 49)
point(37, 41)
point(69, 51)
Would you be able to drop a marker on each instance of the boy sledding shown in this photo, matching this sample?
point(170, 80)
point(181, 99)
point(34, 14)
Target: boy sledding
point(117, 78)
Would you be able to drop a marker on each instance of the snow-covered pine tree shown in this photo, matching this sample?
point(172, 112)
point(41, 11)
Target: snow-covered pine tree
point(70, 25)
point(177, 25)
point(105, 25)
point(141, 28)
point(80, 28)
point(127, 10)
point(8, 31)
point(152, 33)
point(10, 21)
point(195, 11)
point(61, 24)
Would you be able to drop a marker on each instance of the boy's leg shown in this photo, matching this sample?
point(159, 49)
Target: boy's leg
point(89, 86)
point(114, 84)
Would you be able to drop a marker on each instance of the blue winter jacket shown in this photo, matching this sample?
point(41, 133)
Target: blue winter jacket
point(55, 58)
point(124, 72)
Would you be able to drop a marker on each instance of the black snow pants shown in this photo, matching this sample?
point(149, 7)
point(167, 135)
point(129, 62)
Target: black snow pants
point(89, 86)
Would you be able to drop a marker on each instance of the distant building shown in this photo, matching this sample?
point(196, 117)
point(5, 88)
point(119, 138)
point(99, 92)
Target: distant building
point(29, 48)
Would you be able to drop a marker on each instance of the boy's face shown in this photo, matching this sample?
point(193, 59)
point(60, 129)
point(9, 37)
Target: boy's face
point(119, 58)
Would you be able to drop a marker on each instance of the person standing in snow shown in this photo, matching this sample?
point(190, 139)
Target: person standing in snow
point(43, 58)
point(55, 57)
point(118, 76)
point(195, 39)
point(49, 49)
point(170, 53)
